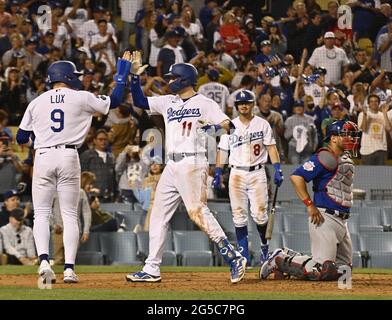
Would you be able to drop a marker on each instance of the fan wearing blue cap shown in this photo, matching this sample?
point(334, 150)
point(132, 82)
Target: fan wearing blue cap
point(11, 201)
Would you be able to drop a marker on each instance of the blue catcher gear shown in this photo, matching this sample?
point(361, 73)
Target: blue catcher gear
point(185, 75)
point(350, 133)
point(244, 96)
point(66, 72)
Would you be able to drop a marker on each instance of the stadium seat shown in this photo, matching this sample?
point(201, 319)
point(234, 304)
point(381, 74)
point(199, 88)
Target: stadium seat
point(219, 206)
point(197, 258)
point(89, 258)
point(387, 216)
point(225, 219)
point(131, 219)
point(181, 220)
point(190, 241)
point(297, 241)
point(380, 260)
point(357, 260)
point(114, 206)
point(353, 223)
point(92, 244)
point(119, 248)
point(142, 240)
point(376, 242)
point(369, 218)
point(295, 223)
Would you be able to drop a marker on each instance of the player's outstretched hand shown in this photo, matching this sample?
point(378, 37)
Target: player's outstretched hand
point(217, 182)
point(278, 177)
point(315, 215)
point(123, 68)
point(137, 63)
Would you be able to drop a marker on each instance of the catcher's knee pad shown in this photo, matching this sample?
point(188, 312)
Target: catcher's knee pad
point(293, 265)
point(328, 271)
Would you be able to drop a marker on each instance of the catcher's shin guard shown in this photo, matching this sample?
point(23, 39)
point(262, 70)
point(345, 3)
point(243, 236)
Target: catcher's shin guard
point(303, 267)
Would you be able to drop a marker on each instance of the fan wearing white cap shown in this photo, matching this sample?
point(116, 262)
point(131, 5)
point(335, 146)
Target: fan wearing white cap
point(330, 57)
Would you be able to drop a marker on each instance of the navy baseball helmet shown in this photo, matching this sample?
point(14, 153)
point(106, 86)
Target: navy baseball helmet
point(244, 96)
point(184, 75)
point(350, 133)
point(66, 72)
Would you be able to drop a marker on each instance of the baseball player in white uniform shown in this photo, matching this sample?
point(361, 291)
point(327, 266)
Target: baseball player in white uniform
point(249, 147)
point(215, 90)
point(60, 120)
point(185, 174)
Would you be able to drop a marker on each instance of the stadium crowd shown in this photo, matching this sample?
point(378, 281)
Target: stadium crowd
point(304, 69)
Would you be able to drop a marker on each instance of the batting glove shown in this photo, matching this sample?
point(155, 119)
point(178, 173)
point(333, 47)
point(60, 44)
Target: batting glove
point(216, 183)
point(137, 63)
point(207, 126)
point(278, 177)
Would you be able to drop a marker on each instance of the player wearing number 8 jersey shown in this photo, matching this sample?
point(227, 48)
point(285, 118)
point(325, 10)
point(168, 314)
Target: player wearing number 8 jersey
point(185, 175)
point(249, 146)
point(60, 120)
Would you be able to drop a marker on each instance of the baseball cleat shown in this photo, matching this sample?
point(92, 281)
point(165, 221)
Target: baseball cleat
point(142, 276)
point(237, 270)
point(264, 253)
point(46, 273)
point(269, 266)
point(70, 276)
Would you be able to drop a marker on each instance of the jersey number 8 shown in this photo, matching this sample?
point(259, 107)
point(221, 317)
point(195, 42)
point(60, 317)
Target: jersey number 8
point(57, 116)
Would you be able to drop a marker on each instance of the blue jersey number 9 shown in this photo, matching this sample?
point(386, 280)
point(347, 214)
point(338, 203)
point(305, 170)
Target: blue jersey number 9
point(57, 116)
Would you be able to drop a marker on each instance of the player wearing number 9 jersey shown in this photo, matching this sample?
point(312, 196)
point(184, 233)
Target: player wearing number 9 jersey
point(185, 175)
point(249, 146)
point(60, 120)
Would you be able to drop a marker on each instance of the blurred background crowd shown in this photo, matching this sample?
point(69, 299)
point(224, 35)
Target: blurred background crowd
point(305, 65)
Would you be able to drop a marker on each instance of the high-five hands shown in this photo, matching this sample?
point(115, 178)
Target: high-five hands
point(137, 63)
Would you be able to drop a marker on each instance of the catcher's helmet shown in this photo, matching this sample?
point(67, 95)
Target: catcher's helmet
point(64, 71)
point(350, 133)
point(244, 96)
point(185, 75)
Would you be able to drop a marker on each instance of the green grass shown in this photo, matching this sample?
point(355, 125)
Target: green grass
point(140, 293)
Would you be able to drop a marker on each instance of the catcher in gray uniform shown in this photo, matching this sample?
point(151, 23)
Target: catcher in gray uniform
point(332, 172)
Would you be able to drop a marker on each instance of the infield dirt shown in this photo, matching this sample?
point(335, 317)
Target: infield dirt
point(379, 285)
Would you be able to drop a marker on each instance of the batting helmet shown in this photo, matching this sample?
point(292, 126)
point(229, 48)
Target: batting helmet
point(185, 75)
point(350, 133)
point(66, 72)
point(244, 96)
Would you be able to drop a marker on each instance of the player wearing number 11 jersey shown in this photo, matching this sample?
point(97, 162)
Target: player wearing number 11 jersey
point(60, 120)
point(185, 175)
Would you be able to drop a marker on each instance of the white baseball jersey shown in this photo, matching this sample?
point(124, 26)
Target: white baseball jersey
point(246, 143)
point(181, 120)
point(314, 90)
point(217, 92)
point(90, 28)
point(62, 116)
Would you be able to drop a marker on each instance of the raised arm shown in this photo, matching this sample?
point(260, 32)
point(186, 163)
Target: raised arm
point(139, 99)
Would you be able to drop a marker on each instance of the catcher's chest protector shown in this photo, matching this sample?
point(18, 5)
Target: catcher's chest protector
point(339, 188)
